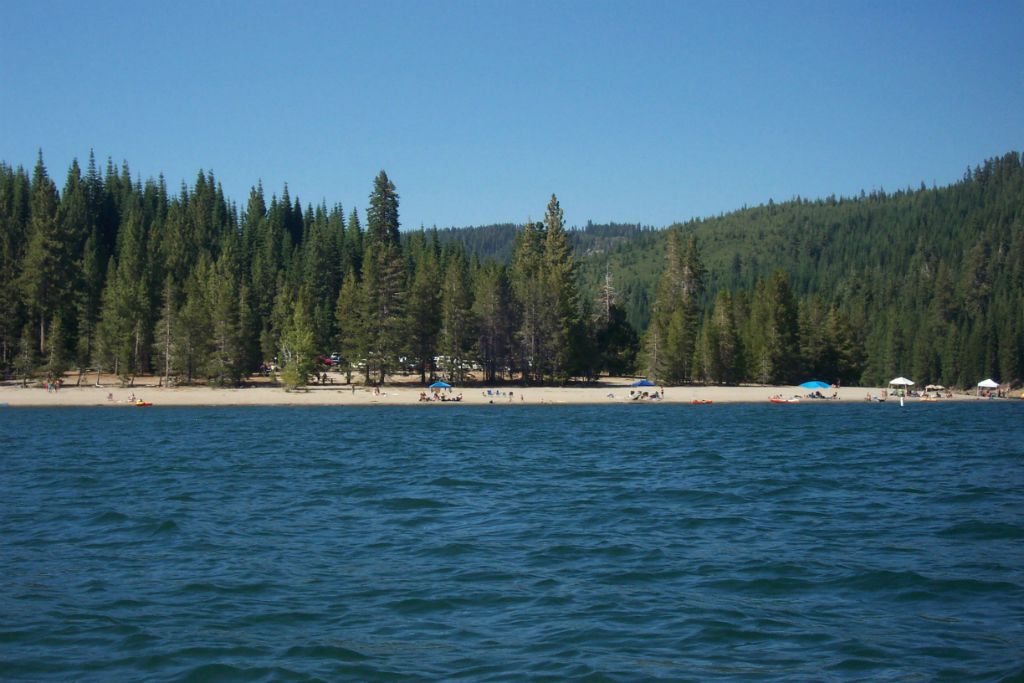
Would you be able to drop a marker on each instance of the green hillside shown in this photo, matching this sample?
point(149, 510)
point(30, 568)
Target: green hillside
point(933, 279)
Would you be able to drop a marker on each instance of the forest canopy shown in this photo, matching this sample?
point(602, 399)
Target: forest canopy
point(118, 275)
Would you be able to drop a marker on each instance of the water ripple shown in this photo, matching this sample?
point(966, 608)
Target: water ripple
point(554, 543)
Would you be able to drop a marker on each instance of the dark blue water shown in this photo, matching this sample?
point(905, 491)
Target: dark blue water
point(666, 542)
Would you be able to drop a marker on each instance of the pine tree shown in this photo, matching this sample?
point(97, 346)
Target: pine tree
point(48, 266)
point(163, 336)
point(298, 352)
point(14, 221)
point(225, 361)
point(382, 216)
point(847, 349)
point(74, 216)
point(492, 311)
point(383, 295)
point(773, 325)
point(88, 302)
point(25, 362)
point(563, 337)
point(351, 338)
point(457, 325)
point(616, 342)
point(383, 282)
point(353, 254)
point(125, 320)
point(702, 363)
point(784, 344)
point(528, 288)
point(818, 357)
point(250, 356)
point(57, 360)
point(193, 325)
point(321, 278)
point(672, 335)
point(725, 345)
point(266, 261)
point(424, 311)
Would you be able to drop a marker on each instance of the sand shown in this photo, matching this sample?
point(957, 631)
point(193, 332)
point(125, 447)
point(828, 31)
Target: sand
point(405, 391)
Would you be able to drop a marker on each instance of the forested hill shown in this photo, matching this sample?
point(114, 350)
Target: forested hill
point(498, 241)
point(927, 276)
point(931, 279)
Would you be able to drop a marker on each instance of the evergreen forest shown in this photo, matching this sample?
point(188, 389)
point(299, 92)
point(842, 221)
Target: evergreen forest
point(111, 274)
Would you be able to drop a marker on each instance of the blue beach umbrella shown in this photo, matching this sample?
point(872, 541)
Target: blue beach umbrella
point(642, 383)
point(814, 384)
point(440, 385)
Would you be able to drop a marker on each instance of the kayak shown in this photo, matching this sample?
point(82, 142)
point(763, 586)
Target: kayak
point(142, 404)
point(701, 402)
point(784, 400)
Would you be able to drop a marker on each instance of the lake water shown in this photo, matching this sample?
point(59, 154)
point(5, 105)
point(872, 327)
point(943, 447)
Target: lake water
point(732, 542)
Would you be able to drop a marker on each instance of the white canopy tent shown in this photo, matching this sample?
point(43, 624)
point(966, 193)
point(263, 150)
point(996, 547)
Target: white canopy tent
point(902, 383)
point(986, 384)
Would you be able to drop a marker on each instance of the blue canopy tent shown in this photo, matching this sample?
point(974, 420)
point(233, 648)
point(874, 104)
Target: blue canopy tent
point(440, 385)
point(642, 383)
point(814, 384)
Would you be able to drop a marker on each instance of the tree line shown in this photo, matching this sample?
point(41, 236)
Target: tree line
point(765, 336)
point(121, 276)
point(117, 275)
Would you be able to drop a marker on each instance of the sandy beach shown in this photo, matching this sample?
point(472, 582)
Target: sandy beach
point(404, 391)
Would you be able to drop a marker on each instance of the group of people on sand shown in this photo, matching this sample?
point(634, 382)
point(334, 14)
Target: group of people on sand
point(131, 398)
point(497, 393)
point(438, 396)
point(646, 395)
point(818, 395)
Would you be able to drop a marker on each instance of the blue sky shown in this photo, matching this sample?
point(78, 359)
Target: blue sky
point(648, 112)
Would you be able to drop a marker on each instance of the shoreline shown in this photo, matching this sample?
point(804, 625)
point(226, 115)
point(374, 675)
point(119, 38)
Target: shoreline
point(607, 391)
